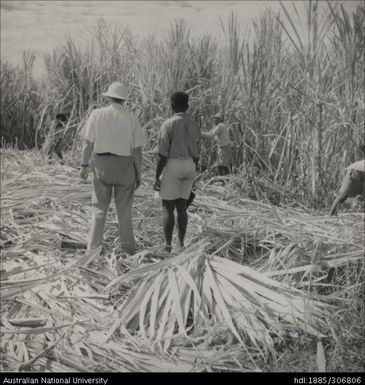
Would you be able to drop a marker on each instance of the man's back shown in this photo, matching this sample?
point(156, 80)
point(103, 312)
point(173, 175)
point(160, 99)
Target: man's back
point(179, 137)
point(115, 130)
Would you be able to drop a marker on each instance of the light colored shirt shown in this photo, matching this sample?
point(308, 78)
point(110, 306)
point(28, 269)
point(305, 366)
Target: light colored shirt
point(115, 130)
point(179, 137)
point(220, 133)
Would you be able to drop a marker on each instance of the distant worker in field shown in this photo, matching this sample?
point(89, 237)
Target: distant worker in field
point(220, 133)
point(56, 136)
point(113, 144)
point(177, 162)
point(352, 184)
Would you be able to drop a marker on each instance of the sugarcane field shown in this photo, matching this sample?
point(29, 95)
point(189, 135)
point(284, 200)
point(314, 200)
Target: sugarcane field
point(183, 202)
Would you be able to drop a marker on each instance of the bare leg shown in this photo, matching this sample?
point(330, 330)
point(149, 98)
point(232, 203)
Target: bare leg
point(182, 219)
point(225, 170)
point(220, 170)
point(168, 220)
point(336, 203)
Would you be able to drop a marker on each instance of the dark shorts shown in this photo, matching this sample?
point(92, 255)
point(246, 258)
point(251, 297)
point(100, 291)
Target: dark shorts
point(353, 184)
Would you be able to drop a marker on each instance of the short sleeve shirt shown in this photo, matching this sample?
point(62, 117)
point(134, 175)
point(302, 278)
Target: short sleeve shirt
point(114, 130)
point(179, 137)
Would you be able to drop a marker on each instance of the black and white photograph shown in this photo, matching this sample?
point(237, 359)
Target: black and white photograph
point(182, 190)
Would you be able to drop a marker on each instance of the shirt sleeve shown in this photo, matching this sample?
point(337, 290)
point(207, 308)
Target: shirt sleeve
point(90, 128)
point(164, 141)
point(218, 129)
point(139, 136)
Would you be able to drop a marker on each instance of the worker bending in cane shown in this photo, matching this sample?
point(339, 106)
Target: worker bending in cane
point(56, 136)
point(113, 148)
point(353, 184)
point(221, 135)
point(178, 158)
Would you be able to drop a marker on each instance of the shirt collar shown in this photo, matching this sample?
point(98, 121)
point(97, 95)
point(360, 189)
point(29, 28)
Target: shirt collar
point(117, 106)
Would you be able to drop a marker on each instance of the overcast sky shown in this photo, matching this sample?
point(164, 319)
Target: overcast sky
point(42, 25)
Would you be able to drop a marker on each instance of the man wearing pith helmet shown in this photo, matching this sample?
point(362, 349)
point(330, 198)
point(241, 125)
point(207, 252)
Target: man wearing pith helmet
point(113, 150)
point(221, 134)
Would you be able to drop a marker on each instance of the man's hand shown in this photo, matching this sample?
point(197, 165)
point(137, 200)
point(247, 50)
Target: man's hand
point(157, 185)
point(196, 161)
point(137, 159)
point(84, 172)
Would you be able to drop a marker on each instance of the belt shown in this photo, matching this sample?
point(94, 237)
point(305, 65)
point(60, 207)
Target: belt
point(106, 154)
point(181, 157)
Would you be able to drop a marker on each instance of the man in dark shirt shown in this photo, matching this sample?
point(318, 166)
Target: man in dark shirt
point(178, 157)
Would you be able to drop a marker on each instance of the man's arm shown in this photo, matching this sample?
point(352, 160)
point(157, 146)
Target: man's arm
point(87, 151)
point(164, 144)
point(207, 135)
point(138, 158)
point(161, 163)
point(89, 139)
point(138, 142)
point(213, 132)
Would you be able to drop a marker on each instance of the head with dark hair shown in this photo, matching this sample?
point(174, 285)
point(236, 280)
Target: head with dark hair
point(61, 117)
point(179, 101)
